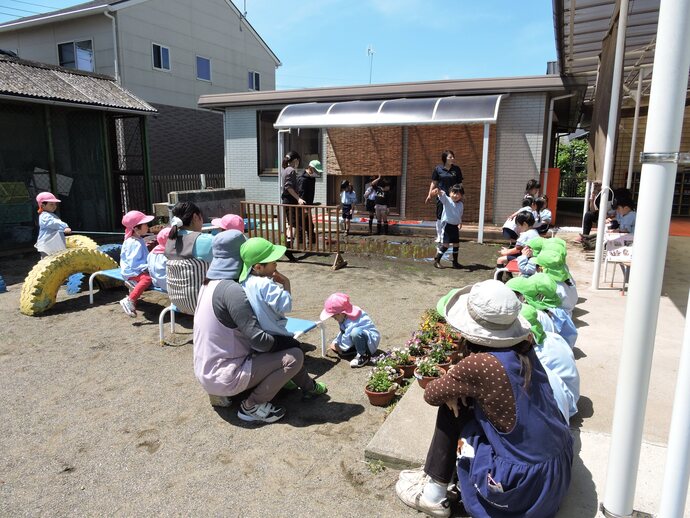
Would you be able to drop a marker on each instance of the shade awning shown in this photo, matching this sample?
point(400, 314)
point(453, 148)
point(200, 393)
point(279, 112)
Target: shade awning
point(471, 109)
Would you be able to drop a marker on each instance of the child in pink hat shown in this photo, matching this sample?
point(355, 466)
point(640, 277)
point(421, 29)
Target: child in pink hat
point(229, 222)
point(51, 229)
point(133, 258)
point(358, 334)
point(156, 260)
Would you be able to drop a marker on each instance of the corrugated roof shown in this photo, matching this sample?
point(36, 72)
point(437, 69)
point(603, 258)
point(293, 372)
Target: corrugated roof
point(28, 80)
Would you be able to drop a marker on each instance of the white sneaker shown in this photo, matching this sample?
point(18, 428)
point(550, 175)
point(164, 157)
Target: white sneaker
point(412, 495)
point(412, 475)
point(360, 361)
point(265, 412)
point(128, 307)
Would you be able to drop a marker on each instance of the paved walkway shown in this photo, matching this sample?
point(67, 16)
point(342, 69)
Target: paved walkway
point(599, 316)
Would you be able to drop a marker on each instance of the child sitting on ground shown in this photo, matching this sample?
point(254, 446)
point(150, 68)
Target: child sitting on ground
point(267, 290)
point(156, 260)
point(51, 229)
point(133, 258)
point(229, 222)
point(523, 224)
point(357, 331)
point(451, 221)
point(348, 198)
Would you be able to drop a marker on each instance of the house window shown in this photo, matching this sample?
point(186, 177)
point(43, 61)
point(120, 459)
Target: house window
point(307, 142)
point(77, 55)
point(161, 57)
point(254, 80)
point(203, 68)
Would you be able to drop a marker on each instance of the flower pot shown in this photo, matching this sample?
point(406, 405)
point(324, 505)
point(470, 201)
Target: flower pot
point(380, 398)
point(424, 380)
point(401, 375)
point(408, 370)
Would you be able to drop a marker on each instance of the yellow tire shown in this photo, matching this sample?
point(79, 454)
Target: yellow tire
point(44, 280)
point(78, 241)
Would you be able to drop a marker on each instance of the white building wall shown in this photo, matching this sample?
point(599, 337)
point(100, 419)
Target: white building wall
point(242, 156)
point(519, 154)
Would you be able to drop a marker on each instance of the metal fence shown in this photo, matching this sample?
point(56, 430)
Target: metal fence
point(572, 186)
point(163, 184)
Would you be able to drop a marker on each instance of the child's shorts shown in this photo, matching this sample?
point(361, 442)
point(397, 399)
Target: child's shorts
point(370, 206)
point(509, 234)
point(347, 211)
point(451, 233)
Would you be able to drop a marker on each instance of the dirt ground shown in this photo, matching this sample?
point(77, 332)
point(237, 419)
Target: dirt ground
point(98, 419)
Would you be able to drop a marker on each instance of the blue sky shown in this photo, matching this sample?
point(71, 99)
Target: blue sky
point(324, 42)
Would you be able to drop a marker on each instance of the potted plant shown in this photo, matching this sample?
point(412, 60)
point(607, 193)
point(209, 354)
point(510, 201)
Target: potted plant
point(381, 387)
point(387, 360)
point(426, 371)
point(439, 356)
point(415, 346)
point(404, 361)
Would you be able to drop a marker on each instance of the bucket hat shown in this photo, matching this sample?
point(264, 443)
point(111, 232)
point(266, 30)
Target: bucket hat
point(257, 250)
point(229, 222)
point(226, 263)
point(316, 165)
point(536, 244)
point(132, 219)
point(553, 264)
point(339, 303)
point(539, 290)
point(46, 197)
point(557, 244)
point(488, 314)
point(443, 301)
point(530, 314)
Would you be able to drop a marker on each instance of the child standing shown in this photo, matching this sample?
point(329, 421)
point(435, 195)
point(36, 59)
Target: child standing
point(51, 229)
point(451, 219)
point(133, 258)
point(348, 198)
point(267, 290)
point(156, 260)
point(523, 224)
point(370, 199)
point(357, 331)
point(381, 205)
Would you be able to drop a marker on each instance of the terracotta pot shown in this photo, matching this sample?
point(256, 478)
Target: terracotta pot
point(401, 375)
point(408, 370)
point(424, 380)
point(380, 398)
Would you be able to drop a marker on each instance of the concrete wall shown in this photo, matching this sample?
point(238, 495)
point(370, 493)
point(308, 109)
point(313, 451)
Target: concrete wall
point(519, 156)
point(210, 29)
point(213, 204)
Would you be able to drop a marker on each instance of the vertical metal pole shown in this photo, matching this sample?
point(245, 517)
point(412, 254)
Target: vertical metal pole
point(610, 138)
point(148, 183)
point(51, 148)
point(664, 126)
point(677, 472)
point(636, 120)
point(549, 129)
point(202, 179)
point(482, 193)
point(585, 206)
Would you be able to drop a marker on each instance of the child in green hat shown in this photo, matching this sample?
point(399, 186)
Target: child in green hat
point(552, 263)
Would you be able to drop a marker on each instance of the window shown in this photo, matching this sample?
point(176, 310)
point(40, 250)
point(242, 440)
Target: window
point(307, 142)
point(161, 57)
point(77, 55)
point(203, 68)
point(254, 80)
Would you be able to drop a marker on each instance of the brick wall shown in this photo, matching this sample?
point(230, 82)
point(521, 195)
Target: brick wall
point(182, 140)
point(519, 156)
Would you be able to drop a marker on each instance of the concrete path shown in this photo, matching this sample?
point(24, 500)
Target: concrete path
point(403, 439)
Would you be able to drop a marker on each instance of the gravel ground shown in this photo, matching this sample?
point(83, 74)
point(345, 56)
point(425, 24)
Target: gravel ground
point(97, 419)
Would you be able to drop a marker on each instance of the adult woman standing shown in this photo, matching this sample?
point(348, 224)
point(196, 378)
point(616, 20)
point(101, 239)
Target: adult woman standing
point(231, 352)
point(514, 449)
point(289, 195)
point(444, 177)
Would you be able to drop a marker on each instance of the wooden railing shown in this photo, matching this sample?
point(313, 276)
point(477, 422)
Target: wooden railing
point(307, 229)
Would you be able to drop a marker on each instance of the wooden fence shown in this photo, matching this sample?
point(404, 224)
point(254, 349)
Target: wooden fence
point(307, 229)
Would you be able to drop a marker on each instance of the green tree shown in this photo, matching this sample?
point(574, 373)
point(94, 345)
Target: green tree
point(572, 161)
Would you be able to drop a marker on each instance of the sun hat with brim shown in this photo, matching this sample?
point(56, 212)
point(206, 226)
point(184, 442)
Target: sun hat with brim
point(316, 165)
point(488, 314)
point(134, 218)
point(539, 290)
point(553, 264)
point(443, 301)
point(536, 244)
point(339, 303)
point(226, 263)
point(557, 244)
point(258, 250)
point(530, 314)
point(46, 197)
point(229, 222)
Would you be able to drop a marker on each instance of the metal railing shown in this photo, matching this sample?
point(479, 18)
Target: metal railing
point(308, 229)
point(163, 184)
point(572, 186)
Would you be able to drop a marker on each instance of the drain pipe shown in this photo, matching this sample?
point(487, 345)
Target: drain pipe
point(548, 139)
point(115, 49)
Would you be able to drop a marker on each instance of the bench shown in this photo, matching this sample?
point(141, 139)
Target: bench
point(299, 327)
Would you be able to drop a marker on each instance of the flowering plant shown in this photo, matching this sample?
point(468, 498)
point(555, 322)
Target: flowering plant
point(437, 354)
point(385, 360)
point(382, 379)
point(401, 356)
point(428, 367)
point(414, 345)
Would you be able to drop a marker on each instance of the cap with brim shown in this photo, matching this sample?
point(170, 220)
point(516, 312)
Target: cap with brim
point(530, 314)
point(539, 290)
point(229, 222)
point(258, 250)
point(316, 165)
point(443, 301)
point(46, 197)
point(339, 303)
point(487, 314)
point(226, 263)
point(553, 264)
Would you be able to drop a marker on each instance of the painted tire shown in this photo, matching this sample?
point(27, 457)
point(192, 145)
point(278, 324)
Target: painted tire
point(79, 282)
point(78, 241)
point(44, 280)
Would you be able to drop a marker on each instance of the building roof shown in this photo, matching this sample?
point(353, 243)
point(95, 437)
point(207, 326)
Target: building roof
point(37, 82)
point(551, 83)
point(99, 6)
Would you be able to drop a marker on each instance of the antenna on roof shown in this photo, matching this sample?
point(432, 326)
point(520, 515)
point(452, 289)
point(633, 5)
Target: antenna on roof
point(370, 53)
point(243, 14)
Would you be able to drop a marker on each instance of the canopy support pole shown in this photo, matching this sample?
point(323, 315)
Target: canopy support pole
point(482, 195)
point(636, 120)
point(549, 137)
point(657, 182)
point(585, 205)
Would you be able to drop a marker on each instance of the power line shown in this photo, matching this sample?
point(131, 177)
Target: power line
point(18, 9)
point(33, 4)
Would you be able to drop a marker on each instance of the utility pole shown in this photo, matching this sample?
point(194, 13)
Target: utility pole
point(370, 53)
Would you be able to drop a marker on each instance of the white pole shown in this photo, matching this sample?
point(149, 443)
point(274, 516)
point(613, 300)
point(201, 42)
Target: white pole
point(549, 128)
point(677, 472)
point(610, 138)
point(585, 206)
point(281, 154)
point(636, 120)
point(482, 193)
point(664, 126)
